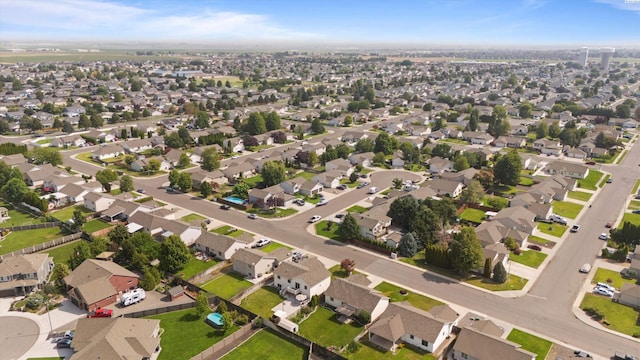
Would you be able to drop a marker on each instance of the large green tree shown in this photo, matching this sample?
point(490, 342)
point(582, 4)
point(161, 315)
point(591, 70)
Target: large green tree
point(184, 182)
point(465, 251)
point(273, 173)
point(106, 177)
point(241, 190)
point(173, 255)
point(126, 183)
point(317, 127)
point(210, 159)
point(46, 155)
point(349, 228)
point(256, 124)
point(507, 170)
point(14, 190)
point(473, 193)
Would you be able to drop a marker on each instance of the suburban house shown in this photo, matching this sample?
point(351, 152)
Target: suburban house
point(136, 146)
point(307, 276)
point(219, 246)
point(463, 176)
point(630, 295)
point(568, 169)
point(97, 202)
point(116, 338)
point(403, 323)
point(159, 226)
point(349, 296)
point(238, 171)
point(142, 164)
point(310, 188)
point(328, 179)
point(292, 186)
point(66, 141)
point(341, 165)
point(510, 142)
point(234, 144)
point(253, 263)
point(625, 123)
point(438, 165)
point(216, 178)
point(445, 187)
point(22, 274)
point(75, 193)
point(373, 226)
point(107, 152)
point(96, 284)
point(483, 341)
point(363, 159)
point(548, 147)
point(122, 210)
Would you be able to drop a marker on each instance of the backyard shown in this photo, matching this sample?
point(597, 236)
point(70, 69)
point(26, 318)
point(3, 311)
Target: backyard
point(95, 225)
point(419, 301)
point(18, 217)
point(62, 253)
point(566, 209)
point(472, 215)
point(267, 345)
point(227, 285)
point(553, 229)
point(186, 334)
point(620, 317)
point(366, 352)
point(323, 328)
point(591, 181)
point(195, 266)
point(17, 240)
point(580, 195)
point(529, 258)
point(262, 301)
point(531, 343)
point(67, 213)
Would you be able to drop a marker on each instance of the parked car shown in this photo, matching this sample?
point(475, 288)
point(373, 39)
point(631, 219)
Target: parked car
point(252, 216)
point(300, 202)
point(635, 212)
point(141, 191)
point(609, 180)
point(322, 202)
point(603, 236)
point(637, 196)
point(315, 218)
point(361, 185)
point(63, 344)
point(342, 187)
point(608, 225)
point(585, 268)
point(622, 356)
point(170, 189)
point(101, 313)
point(575, 228)
point(225, 207)
point(591, 162)
point(535, 247)
point(603, 292)
point(364, 176)
point(606, 286)
point(69, 334)
point(559, 219)
point(339, 216)
point(581, 354)
point(373, 190)
point(262, 242)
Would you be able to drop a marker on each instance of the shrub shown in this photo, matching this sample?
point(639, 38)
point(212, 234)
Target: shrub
point(363, 317)
point(34, 301)
point(353, 346)
point(259, 323)
point(222, 308)
point(517, 251)
point(315, 300)
point(242, 319)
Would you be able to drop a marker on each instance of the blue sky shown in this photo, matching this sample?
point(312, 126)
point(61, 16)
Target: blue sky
point(451, 23)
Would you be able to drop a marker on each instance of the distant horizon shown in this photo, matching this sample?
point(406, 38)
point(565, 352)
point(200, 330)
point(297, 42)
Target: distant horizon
point(419, 24)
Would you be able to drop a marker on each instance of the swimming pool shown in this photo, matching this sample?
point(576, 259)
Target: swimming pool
point(235, 200)
point(215, 319)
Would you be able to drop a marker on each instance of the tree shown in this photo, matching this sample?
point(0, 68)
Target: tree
point(14, 190)
point(16, 85)
point(83, 121)
point(485, 177)
point(118, 234)
point(465, 251)
point(184, 160)
point(173, 254)
point(77, 221)
point(126, 183)
point(184, 182)
point(343, 151)
point(384, 144)
point(173, 177)
point(499, 273)
point(349, 229)
point(272, 121)
point(206, 189)
point(365, 145)
point(173, 141)
point(402, 210)
point(353, 177)
point(348, 265)
point(442, 150)
point(473, 193)
point(542, 130)
point(273, 173)
point(96, 121)
point(425, 223)
point(46, 155)
point(60, 271)
point(210, 159)
point(81, 252)
point(488, 268)
point(241, 190)
point(623, 111)
point(408, 245)
point(150, 278)
point(153, 165)
point(312, 159)
point(410, 153)
point(202, 304)
point(474, 119)
point(397, 183)
point(525, 110)
point(461, 163)
point(507, 169)
point(105, 178)
point(378, 159)
point(256, 124)
point(636, 114)
point(202, 120)
point(554, 130)
point(317, 127)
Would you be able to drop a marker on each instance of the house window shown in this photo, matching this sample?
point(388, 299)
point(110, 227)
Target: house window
point(330, 298)
point(425, 343)
point(305, 287)
point(289, 281)
point(278, 277)
point(130, 281)
point(297, 285)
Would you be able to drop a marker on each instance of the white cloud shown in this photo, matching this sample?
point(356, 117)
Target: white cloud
point(92, 19)
point(632, 5)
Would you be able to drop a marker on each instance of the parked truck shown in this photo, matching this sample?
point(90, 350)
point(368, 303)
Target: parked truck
point(132, 297)
point(622, 356)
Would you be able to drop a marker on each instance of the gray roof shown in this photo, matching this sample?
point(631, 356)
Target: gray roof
point(355, 295)
point(402, 318)
point(216, 242)
point(488, 347)
point(310, 270)
point(115, 338)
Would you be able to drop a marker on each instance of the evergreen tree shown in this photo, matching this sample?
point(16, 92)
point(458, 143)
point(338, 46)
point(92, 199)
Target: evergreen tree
point(499, 273)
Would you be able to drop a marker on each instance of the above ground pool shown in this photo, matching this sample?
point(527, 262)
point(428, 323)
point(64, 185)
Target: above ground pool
point(235, 200)
point(215, 319)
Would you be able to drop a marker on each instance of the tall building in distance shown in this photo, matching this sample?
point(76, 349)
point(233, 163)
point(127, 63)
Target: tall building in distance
point(584, 56)
point(606, 57)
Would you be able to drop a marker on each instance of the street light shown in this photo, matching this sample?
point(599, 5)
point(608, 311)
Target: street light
point(49, 315)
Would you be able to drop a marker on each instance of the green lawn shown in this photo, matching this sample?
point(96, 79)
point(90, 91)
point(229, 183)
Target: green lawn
point(580, 195)
point(17, 240)
point(18, 217)
point(629, 217)
point(62, 253)
point(495, 201)
point(337, 271)
point(358, 209)
point(634, 205)
point(539, 240)
point(514, 283)
point(332, 233)
point(306, 175)
point(505, 189)
point(191, 218)
point(227, 285)
point(67, 213)
point(531, 343)
point(366, 352)
point(525, 181)
point(95, 225)
point(272, 246)
point(620, 317)
point(603, 275)
point(472, 215)
point(186, 334)
point(566, 209)
point(553, 229)
point(323, 328)
point(228, 230)
point(621, 157)
point(262, 301)
point(591, 181)
point(253, 181)
point(419, 301)
point(267, 345)
point(635, 187)
point(604, 181)
point(529, 258)
point(195, 266)
point(278, 213)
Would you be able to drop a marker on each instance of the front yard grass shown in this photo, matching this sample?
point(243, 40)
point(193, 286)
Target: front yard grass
point(67, 213)
point(228, 230)
point(604, 275)
point(323, 328)
point(419, 301)
point(337, 271)
point(620, 317)
point(472, 215)
point(634, 205)
point(278, 213)
point(591, 181)
point(566, 209)
point(531, 343)
point(17, 240)
point(580, 195)
point(186, 334)
point(525, 181)
point(227, 285)
point(357, 208)
point(635, 187)
point(530, 258)
point(95, 225)
point(192, 217)
point(262, 301)
point(514, 283)
point(629, 217)
point(306, 175)
point(328, 229)
point(267, 345)
point(195, 266)
point(553, 229)
point(539, 240)
point(272, 246)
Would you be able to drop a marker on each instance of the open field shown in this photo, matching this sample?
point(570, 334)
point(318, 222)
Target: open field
point(38, 57)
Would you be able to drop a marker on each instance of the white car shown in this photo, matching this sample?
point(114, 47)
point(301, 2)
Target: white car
point(585, 268)
point(603, 291)
point(322, 202)
point(315, 218)
point(603, 236)
point(263, 242)
point(575, 228)
point(606, 286)
point(373, 190)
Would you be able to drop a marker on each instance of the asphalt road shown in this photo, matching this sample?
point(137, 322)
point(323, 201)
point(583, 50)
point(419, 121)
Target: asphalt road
point(546, 310)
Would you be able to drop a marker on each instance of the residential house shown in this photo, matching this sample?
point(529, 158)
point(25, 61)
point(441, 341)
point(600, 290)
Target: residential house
point(510, 142)
point(142, 164)
point(445, 187)
point(484, 343)
point(328, 179)
point(97, 202)
point(625, 123)
point(373, 224)
point(96, 284)
point(568, 169)
point(75, 193)
point(238, 171)
point(254, 263)
point(307, 276)
point(116, 338)
point(348, 297)
point(162, 227)
point(576, 153)
point(216, 178)
point(438, 165)
point(292, 186)
point(234, 144)
point(310, 188)
point(463, 176)
point(341, 165)
point(364, 159)
point(107, 152)
point(22, 274)
point(122, 210)
point(66, 141)
point(137, 146)
point(403, 323)
point(630, 295)
point(548, 147)
point(219, 246)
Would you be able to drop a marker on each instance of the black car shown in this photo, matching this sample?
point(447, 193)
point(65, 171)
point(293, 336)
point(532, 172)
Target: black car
point(535, 247)
point(225, 207)
point(339, 216)
point(342, 187)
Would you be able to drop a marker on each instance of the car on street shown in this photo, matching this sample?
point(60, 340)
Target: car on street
point(535, 247)
point(603, 292)
point(361, 185)
point(603, 236)
point(262, 242)
point(608, 225)
point(575, 228)
point(170, 189)
point(581, 354)
point(141, 191)
point(252, 216)
point(373, 190)
point(235, 157)
point(591, 162)
point(63, 344)
point(622, 356)
point(322, 202)
point(315, 218)
point(609, 180)
point(585, 268)
point(225, 207)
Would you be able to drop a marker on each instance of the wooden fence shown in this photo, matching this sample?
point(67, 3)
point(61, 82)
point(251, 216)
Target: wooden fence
point(208, 274)
point(228, 343)
point(44, 246)
point(237, 298)
point(315, 350)
point(160, 310)
point(34, 226)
